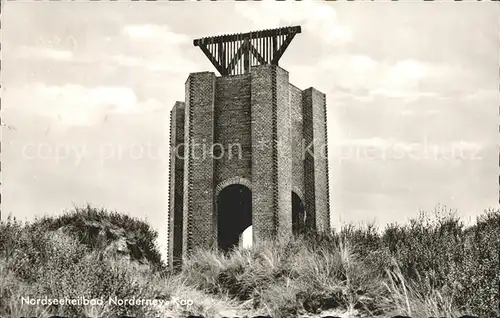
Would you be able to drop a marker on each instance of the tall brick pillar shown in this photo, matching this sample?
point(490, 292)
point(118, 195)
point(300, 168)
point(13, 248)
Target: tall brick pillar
point(199, 165)
point(315, 160)
point(271, 153)
point(176, 195)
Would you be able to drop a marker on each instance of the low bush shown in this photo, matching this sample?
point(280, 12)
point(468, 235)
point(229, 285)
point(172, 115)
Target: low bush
point(432, 266)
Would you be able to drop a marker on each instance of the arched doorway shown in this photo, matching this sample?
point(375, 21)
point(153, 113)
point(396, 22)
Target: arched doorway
point(298, 215)
point(234, 215)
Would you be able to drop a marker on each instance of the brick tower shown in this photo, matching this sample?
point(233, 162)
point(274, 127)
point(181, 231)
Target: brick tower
point(247, 148)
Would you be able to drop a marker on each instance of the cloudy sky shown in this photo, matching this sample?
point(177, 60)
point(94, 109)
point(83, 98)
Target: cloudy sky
point(412, 94)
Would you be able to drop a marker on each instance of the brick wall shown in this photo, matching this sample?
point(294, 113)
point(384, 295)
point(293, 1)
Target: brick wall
point(176, 182)
point(233, 127)
point(297, 135)
point(284, 151)
point(264, 156)
point(316, 163)
point(199, 168)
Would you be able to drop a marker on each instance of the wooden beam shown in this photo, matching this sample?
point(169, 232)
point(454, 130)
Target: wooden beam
point(212, 59)
point(257, 55)
point(246, 56)
point(247, 36)
point(225, 52)
point(282, 49)
point(235, 58)
point(222, 55)
point(274, 49)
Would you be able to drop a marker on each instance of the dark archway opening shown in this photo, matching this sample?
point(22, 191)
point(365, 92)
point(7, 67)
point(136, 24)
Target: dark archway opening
point(298, 215)
point(234, 215)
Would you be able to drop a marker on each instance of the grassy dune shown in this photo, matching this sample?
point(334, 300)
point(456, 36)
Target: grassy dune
point(431, 266)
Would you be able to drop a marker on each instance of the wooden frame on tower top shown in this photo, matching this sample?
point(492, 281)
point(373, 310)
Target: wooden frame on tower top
point(234, 53)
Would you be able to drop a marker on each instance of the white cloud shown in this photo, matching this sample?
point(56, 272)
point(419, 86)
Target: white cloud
point(363, 63)
point(407, 94)
point(400, 79)
point(484, 94)
point(414, 112)
point(407, 112)
point(154, 32)
point(315, 17)
point(76, 105)
point(28, 52)
point(410, 69)
point(159, 49)
point(168, 62)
